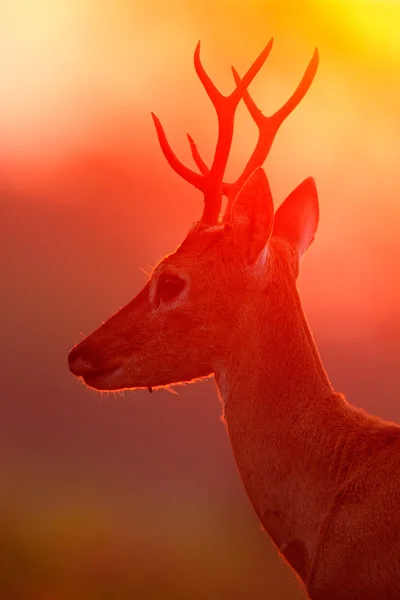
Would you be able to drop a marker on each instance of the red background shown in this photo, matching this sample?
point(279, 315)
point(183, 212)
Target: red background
point(138, 496)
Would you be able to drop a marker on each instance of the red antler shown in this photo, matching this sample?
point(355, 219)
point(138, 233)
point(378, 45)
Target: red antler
point(210, 182)
point(267, 126)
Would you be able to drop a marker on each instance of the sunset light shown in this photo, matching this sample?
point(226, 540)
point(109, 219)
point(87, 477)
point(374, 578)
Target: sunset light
point(121, 496)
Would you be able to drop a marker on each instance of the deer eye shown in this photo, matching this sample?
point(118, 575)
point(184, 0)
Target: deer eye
point(169, 287)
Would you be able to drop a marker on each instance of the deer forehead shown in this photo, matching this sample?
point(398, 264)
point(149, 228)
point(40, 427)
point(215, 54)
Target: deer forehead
point(198, 249)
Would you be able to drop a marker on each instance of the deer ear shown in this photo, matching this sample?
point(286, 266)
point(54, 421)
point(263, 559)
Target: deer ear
point(253, 215)
point(296, 220)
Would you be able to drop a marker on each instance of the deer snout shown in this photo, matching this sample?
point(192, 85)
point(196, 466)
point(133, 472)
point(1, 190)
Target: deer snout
point(80, 361)
point(93, 357)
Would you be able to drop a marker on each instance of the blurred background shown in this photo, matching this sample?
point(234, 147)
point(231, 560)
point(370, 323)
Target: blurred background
point(135, 496)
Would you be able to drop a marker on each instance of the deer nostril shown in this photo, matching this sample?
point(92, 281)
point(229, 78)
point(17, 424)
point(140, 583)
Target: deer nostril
point(79, 361)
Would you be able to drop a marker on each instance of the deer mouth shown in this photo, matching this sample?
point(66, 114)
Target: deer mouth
point(104, 380)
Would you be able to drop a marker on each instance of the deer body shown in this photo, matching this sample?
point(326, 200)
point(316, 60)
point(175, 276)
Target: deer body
point(322, 475)
point(310, 462)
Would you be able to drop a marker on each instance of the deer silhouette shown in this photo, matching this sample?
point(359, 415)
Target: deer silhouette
point(322, 475)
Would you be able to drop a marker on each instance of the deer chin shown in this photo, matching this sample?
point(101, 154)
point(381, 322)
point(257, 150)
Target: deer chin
point(117, 378)
point(107, 380)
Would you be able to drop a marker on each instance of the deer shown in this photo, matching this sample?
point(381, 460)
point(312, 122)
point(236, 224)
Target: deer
point(321, 474)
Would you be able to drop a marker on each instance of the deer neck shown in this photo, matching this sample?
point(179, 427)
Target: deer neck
point(273, 388)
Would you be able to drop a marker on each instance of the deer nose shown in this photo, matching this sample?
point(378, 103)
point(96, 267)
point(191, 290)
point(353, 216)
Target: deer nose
point(79, 361)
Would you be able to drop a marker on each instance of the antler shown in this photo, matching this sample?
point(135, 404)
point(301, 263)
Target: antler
point(267, 128)
point(210, 180)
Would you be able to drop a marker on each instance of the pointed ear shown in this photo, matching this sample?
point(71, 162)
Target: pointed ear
point(253, 215)
point(296, 220)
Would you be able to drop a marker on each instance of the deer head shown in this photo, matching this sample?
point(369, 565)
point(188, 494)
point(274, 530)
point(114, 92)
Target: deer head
point(191, 311)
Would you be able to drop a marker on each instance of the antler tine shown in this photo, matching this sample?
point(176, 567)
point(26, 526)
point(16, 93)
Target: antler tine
point(191, 176)
point(225, 107)
point(203, 168)
point(212, 91)
point(210, 181)
point(301, 89)
point(268, 128)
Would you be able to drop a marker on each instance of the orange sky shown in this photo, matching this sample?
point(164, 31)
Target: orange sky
point(79, 78)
